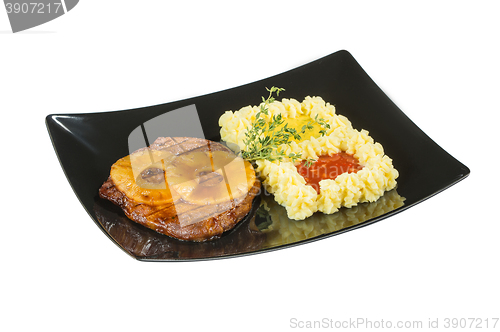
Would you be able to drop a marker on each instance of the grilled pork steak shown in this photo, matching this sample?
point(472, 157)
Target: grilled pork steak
point(187, 188)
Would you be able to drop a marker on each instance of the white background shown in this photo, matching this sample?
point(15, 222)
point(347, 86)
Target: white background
point(438, 61)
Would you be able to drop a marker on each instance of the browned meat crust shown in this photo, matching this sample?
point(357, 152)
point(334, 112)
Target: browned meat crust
point(164, 219)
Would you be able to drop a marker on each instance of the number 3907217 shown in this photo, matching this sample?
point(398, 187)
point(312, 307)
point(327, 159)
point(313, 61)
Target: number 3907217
point(33, 7)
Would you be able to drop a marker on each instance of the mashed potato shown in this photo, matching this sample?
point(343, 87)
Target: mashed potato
point(289, 187)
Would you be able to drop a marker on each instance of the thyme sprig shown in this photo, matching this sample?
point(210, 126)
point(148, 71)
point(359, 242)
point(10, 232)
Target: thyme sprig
point(309, 162)
point(264, 137)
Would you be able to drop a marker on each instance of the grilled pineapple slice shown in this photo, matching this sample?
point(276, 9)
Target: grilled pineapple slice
point(210, 177)
point(141, 177)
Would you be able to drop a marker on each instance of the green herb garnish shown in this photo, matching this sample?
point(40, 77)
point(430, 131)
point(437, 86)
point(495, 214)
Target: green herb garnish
point(323, 124)
point(263, 139)
point(309, 162)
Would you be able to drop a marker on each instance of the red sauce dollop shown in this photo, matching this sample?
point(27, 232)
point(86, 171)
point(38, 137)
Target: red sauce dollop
point(328, 167)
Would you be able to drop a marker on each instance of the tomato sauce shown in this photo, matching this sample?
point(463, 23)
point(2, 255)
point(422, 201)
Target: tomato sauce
point(328, 167)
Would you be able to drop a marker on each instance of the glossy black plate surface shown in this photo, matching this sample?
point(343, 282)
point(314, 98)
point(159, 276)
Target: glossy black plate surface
point(88, 144)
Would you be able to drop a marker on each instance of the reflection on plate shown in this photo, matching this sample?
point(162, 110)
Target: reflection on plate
point(280, 230)
point(88, 144)
point(266, 227)
point(145, 244)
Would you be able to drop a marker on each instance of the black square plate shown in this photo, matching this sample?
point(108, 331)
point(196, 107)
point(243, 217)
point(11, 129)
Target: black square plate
point(88, 144)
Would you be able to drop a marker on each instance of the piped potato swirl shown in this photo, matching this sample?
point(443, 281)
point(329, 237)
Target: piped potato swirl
point(290, 189)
